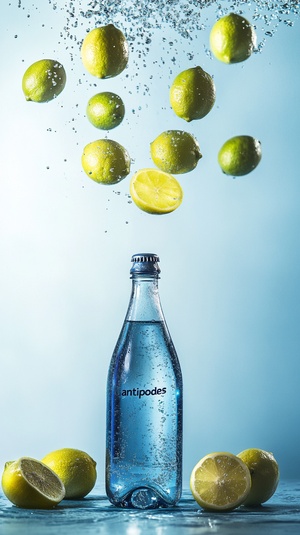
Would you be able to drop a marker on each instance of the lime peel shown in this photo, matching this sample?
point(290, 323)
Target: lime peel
point(105, 51)
point(175, 151)
point(232, 38)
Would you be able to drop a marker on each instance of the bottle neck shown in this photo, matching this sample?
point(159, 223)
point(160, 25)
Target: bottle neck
point(144, 302)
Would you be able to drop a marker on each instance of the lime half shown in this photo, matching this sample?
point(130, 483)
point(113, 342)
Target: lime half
point(155, 192)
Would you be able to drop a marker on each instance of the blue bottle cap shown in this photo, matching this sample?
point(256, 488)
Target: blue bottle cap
point(146, 263)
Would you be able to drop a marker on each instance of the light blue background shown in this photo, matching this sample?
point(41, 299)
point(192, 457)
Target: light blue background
point(230, 285)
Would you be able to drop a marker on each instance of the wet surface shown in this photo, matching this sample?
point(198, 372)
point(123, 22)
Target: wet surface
point(95, 515)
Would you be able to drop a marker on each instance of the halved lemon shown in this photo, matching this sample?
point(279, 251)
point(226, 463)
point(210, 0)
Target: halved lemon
point(155, 192)
point(220, 481)
point(31, 484)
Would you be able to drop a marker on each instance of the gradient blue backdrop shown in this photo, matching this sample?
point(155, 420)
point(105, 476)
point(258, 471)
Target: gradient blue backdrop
point(230, 285)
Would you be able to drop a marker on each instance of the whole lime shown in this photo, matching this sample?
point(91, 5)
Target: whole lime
point(192, 94)
point(264, 472)
point(175, 151)
point(105, 161)
point(105, 51)
point(239, 155)
point(43, 80)
point(105, 110)
point(232, 38)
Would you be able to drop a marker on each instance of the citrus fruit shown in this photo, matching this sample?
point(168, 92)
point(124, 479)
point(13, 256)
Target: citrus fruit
point(43, 80)
point(175, 151)
point(220, 481)
point(239, 155)
point(31, 484)
point(105, 110)
point(155, 192)
point(104, 51)
point(105, 161)
point(264, 472)
point(75, 468)
point(192, 94)
point(232, 38)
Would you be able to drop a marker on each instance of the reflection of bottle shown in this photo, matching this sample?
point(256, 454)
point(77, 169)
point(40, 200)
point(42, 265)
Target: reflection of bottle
point(144, 401)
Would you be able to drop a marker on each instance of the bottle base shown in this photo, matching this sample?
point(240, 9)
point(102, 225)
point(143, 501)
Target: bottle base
point(143, 498)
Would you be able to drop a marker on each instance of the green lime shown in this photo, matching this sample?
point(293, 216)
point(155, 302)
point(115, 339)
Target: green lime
point(232, 39)
point(105, 161)
point(43, 80)
point(239, 155)
point(105, 51)
point(264, 472)
point(105, 110)
point(175, 151)
point(192, 94)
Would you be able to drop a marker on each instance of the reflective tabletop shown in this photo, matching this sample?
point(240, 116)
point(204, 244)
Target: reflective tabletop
point(95, 515)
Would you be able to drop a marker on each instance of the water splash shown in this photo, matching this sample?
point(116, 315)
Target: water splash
point(140, 18)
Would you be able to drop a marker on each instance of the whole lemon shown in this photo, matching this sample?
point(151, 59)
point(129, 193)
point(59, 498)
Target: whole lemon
point(43, 80)
point(192, 94)
point(264, 472)
point(105, 110)
point(239, 155)
point(31, 484)
point(75, 468)
point(105, 161)
point(175, 151)
point(232, 39)
point(105, 51)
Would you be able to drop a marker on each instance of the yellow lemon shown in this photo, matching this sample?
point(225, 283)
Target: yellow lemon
point(31, 484)
point(239, 155)
point(75, 468)
point(105, 161)
point(232, 39)
point(192, 94)
point(175, 151)
point(155, 192)
point(264, 472)
point(43, 80)
point(220, 481)
point(105, 51)
point(105, 110)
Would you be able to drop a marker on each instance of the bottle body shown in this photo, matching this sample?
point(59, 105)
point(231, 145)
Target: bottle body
point(144, 408)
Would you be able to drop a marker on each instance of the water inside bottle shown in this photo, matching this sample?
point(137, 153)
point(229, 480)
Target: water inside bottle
point(144, 414)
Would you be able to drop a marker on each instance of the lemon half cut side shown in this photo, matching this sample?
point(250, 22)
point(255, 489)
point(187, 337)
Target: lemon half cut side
point(31, 484)
point(155, 192)
point(220, 481)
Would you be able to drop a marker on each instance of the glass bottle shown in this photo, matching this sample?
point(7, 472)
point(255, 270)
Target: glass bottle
point(144, 401)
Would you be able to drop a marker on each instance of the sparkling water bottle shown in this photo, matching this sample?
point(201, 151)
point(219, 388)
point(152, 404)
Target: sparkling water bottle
point(144, 401)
